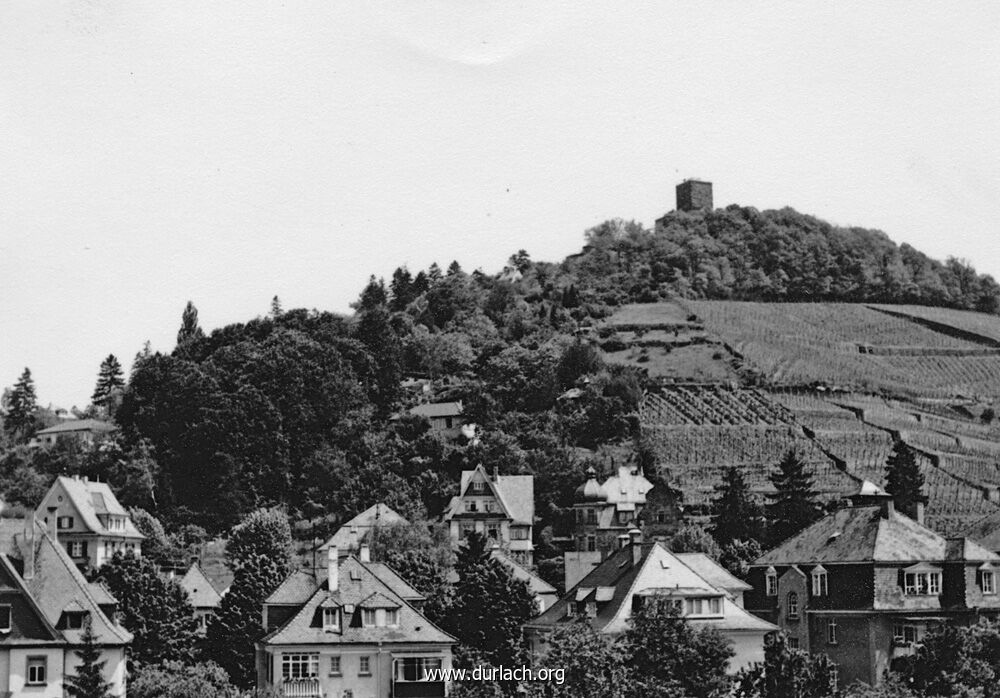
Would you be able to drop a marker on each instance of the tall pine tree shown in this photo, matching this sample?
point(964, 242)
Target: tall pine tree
point(88, 681)
point(737, 515)
point(904, 480)
point(22, 404)
point(794, 505)
point(110, 380)
point(190, 329)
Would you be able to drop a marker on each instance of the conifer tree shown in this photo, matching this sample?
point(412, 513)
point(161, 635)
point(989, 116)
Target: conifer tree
point(22, 404)
point(402, 289)
point(794, 505)
point(189, 325)
point(88, 681)
point(276, 309)
point(903, 479)
point(737, 515)
point(110, 378)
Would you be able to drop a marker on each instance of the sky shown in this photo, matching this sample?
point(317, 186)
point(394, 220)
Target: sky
point(153, 153)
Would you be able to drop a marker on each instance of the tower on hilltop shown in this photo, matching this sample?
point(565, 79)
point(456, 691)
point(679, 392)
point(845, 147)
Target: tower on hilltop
point(694, 195)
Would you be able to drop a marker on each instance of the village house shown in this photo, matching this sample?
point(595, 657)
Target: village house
point(45, 603)
point(91, 524)
point(350, 630)
point(864, 584)
point(204, 597)
point(705, 593)
point(604, 513)
point(83, 431)
point(501, 508)
point(353, 534)
point(445, 417)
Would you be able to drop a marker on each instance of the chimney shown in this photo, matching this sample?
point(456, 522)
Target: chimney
point(623, 540)
point(332, 569)
point(29, 545)
point(887, 508)
point(635, 540)
point(366, 553)
point(496, 473)
point(920, 513)
point(52, 522)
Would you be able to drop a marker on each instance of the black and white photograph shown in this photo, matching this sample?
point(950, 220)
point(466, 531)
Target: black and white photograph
point(481, 349)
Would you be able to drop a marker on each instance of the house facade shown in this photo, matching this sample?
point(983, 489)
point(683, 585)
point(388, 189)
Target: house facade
point(84, 431)
point(89, 521)
point(204, 597)
point(604, 513)
point(349, 631)
point(444, 417)
point(864, 584)
point(45, 603)
point(706, 594)
point(501, 508)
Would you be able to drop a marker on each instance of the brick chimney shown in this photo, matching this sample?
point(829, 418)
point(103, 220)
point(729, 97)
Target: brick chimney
point(635, 540)
point(365, 553)
point(332, 568)
point(28, 545)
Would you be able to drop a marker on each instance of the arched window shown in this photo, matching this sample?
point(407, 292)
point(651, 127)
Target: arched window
point(793, 604)
point(771, 582)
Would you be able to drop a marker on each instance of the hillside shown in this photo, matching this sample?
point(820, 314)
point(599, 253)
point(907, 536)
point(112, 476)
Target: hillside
point(837, 382)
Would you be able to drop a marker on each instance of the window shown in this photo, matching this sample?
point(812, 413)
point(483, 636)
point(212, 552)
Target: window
point(519, 533)
point(331, 619)
point(471, 506)
point(368, 617)
point(416, 668)
point(623, 517)
point(365, 665)
point(591, 516)
point(493, 531)
point(488, 506)
point(988, 582)
point(831, 631)
point(592, 609)
point(335, 665)
point(467, 528)
point(5, 618)
point(703, 607)
point(299, 666)
point(793, 604)
point(77, 548)
point(819, 583)
point(591, 543)
point(579, 515)
point(392, 617)
point(36, 671)
point(571, 608)
point(448, 423)
point(793, 643)
point(661, 517)
point(478, 486)
point(64, 522)
point(73, 620)
point(922, 583)
point(771, 582)
point(904, 634)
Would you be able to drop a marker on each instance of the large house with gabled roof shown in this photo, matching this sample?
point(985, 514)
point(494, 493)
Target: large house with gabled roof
point(501, 508)
point(83, 431)
point(865, 583)
point(45, 604)
point(89, 521)
point(353, 629)
point(705, 594)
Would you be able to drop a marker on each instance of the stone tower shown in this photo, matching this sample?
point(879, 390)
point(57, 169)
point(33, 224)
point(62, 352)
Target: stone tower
point(694, 195)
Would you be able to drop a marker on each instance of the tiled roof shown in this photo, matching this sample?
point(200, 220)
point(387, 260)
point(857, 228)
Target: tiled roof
point(438, 409)
point(861, 534)
point(627, 486)
point(536, 584)
point(92, 499)
point(199, 589)
point(518, 494)
point(986, 531)
point(295, 590)
point(390, 578)
point(77, 425)
point(355, 531)
point(620, 573)
point(358, 582)
point(712, 572)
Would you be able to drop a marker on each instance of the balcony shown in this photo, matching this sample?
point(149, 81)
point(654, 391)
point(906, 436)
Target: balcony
point(418, 689)
point(301, 688)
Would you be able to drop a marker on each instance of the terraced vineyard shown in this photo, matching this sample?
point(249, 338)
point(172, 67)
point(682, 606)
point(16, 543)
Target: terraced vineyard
point(981, 324)
point(711, 404)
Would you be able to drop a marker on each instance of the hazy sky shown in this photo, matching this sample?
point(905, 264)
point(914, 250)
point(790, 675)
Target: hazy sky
point(152, 153)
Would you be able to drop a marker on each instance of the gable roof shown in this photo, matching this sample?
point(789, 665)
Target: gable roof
point(614, 582)
point(863, 534)
point(358, 583)
point(93, 499)
point(516, 494)
point(986, 531)
point(355, 531)
point(712, 572)
point(390, 578)
point(438, 409)
point(77, 425)
point(199, 589)
point(536, 584)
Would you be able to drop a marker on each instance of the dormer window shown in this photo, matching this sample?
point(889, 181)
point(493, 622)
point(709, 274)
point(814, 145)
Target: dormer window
point(368, 617)
point(592, 609)
point(331, 619)
point(771, 582)
point(392, 617)
point(921, 580)
point(571, 609)
point(819, 583)
point(74, 620)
